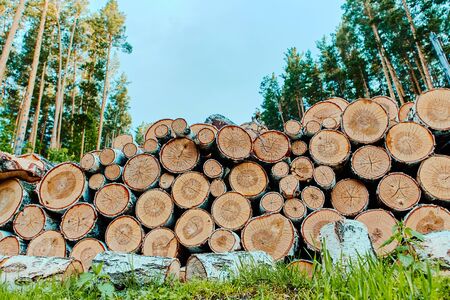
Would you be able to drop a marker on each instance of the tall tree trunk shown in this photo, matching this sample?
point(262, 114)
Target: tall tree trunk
point(422, 74)
point(397, 83)
point(366, 87)
point(74, 93)
point(43, 127)
point(10, 38)
point(29, 92)
point(423, 60)
point(413, 77)
point(37, 111)
point(299, 106)
point(280, 109)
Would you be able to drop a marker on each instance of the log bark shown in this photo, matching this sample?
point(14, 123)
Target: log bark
point(271, 146)
point(295, 210)
point(370, 162)
point(293, 129)
point(193, 229)
point(180, 127)
point(150, 133)
point(398, 191)
point(426, 218)
point(155, 208)
point(249, 179)
point(85, 251)
point(234, 143)
point(179, 155)
point(111, 156)
point(217, 187)
point(151, 146)
point(303, 168)
point(97, 181)
point(31, 221)
point(330, 148)
point(213, 169)
point(124, 234)
point(11, 245)
point(271, 202)
point(113, 200)
point(131, 149)
point(321, 111)
point(121, 140)
point(13, 197)
point(80, 221)
point(432, 109)
point(166, 180)
point(435, 247)
point(280, 170)
point(224, 240)
point(141, 172)
point(350, 197)
point(433, 177)
point(324, 177)
point(113, 172)
point(313, 223)
point(48, 243)
point(190, 190)
point(231, 211)
point(313, 197)
point(90, 162)
point(161, 242)
point(299, 148)
point(289, 186)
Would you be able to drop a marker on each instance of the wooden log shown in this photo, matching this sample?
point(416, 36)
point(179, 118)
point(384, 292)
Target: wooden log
point(13, 196)
point(289, 187)
point(390, 106)
point(121, 140)
point(365, 121)
point(97, 181)
point(303, 168)
point(330, 148)
point(131, 149)
point(144, 270)
point(62, 187)
point(295, 210)
point(321, 111)
point(273, 234)
point(141, 172)
point(190, 190)
point(224, 266)
point(31, 221)
point(254, 128)
point(231, 211)
point(151, 146)
point(380, 224)
point(398, 191)
point(11, 245)
point(179, 155)
point(311, 128)
point(280, 170)
point(48, 243)
point(426, 218)
point(341, 102)
point(79, 221)
point(271, 146)
point(124, 234)
point(205, 138)
point(409, 142)
point(110, 156)
point(219, 121)
point(161, 242)
point(113, 200)
point(85, 250)
point(433, 177)
point(404, 111)
point(155, 208)
point(113, 172)
point(324, 177)
point(195, 128)
point(350, 197)
point(90, 162)
point(434, 248)
point(271, 202)
point(432, 109)
point(166, 180)
point(213, 169)
point(234, 143)
point(150, 134)
point(303, 266)
point(293, 129)
point(180, 127)
point(330, 123)
point(193, 229)
point(249, 179)
point(313, 223)
point(224, 240)
point(370, 162)
point(313, 197)
point(299, 148)
point(217, 188)
point(163, 133)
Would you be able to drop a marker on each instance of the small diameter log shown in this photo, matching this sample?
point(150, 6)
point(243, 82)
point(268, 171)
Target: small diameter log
point(131, 149)
point(325, 177)
point(110, 156)
point(279, 170)
point(271, 202)
point(13, 197)
point(370, 162)
point(179, 155)
point(48, 243)
point(205, 138)
point(180, 127)
point(432, 108)
point(350, 197)
point(124, 234)
point(166, 180)
point(231, 211)
point(150, 134)
point(79, 221)
point(217, 188)
point(273, 234)
point(313, 197)
point(154, 208)
point(12, 245)
point(380, 225)
point(193, 229)
point(62, 187)
point(293, 129)
point(321, 111)
point(113, 172)
point(90, 162)
point(151, 146)
point(303, 266)
point(405, 109)
point(433, 177)
point(224, 266)
point(163, 133)
point(213, 169)
point(390, 106)
point(398, 191)
point(249, 179)
point(145, 270)
point(426, 218)
point(330, 148)
point(299, 148)
point(120, 141)
point(141, 172)
point(190, 190)
point(97, 181)
point(195, 128)
point(409, 142)
point(113, 200)
point(161, 242)
point(31, 221)
point(313, 223)
point(289, 186)
point(295, 210)
point(311, 128)
point(224, 240)
point(303, 168)
point(330, 123)
point(85, 251)
point(234, 143)
point(341, 102)
point(271, 146)
point(365, 121)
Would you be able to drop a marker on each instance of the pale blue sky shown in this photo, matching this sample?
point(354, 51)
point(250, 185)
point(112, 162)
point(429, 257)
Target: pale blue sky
point(193, 58)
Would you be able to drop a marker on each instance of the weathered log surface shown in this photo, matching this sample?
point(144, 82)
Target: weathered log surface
point(435, 247)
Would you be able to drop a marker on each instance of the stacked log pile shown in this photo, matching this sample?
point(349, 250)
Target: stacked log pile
point(222, 187)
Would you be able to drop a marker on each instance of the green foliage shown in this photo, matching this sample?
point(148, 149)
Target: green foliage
point(60, 155)
point(139, 133)
point(271, 93)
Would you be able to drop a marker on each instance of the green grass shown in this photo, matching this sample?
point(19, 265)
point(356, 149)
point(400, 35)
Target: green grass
point(380, 280)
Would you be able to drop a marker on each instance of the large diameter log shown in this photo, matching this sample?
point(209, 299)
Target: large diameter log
point(299, 148)
point(205, 138)
point(380, 224)
point(271, 146)
point(97, 181)
point(213, 169)
point(110, 156)
point(150, 134)
point(404, 111)
point(85, 251)
point(131, 149)
point(144, 270)
point(433, 177)
point(234, 143)
point(113, 172)
point(330, 148)
point(180, 127)
point(190, 190)
point(370, 162)
point(11, 245)
point(114, 199)
point(31, 221)
point(179, 155)
point(151, 146)
point(48, 243)
point(217, 188)
point(231, 211)
point(121, 140)
point(18, 270)
point(295, 210)
point(161, 242)
point(350, 197)
point(303, 168)
point(141, 172)
point(13, 197)
point(154, 208)
point(390, 106)
point(409, 142)
point(279, 170)
point(271, 202)
point(273, 234)
point(62, 187)
point(427, 218)
point(193, 229)
point(303, 266)
point(324, 177)
point(293, 129)
point(313, 197)
point(124, 234)
point(321, 111)
point(341, 102)
point(365, 121)
point(398, 191)
point(224, 266)
point(249, 179)
point(313, 223)
point(432, 108)
point(224, 240)
point(90, 162)
point(166, 180)
point(289, 186)
point(79, 221)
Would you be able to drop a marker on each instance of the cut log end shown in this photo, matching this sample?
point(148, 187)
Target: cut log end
point(151, 146)
point(295, 210)
point(194, 227)
point(30, 222)
point(303, 168)
point(223, 240)
point(234, 142)
point(325, 177)
point(370, 162)
point(48, 243)
point(302, 266)
point(109, 156)
point(405, 109)
point(280, 169)
point(113, 200)
point(179, 155)
point(427, 218)
point(97, 181)
point(271, 146)
point(293, 129)
point(389, 105)
point(121, 140)
point(113, 172)
point(271, 202)
point(433, 176)
point(314, 222)
point(86, 250)
point(150, 134)
point(11, 198)
point(190, 190)
point(350, 197)
point(218, 188)
point(213, 169)
point(321, 111)
point(289, 186)
point(141, 172)
point(248, 179)
point(130, 150)
point(180, 127)
point(163, 132)
point(330, 148)
point(166, 180)
point(78, 221)
point(231, 211)
point(154, 208)
point(160, 242)
point(398, 191)
point(11, 245)
point(90, 162)
point(206, 137)
point(312, 127)
point(124, 234)
point(313, 197)
point(299, 148)
point(433, 109)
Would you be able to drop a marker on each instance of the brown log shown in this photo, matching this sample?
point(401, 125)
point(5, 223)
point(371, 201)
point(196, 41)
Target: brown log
point(217, 187)
point(113, 172)
point(325, 177)
point(289, 186)
point(179, 155)
point(90, 162)
point(124, 234)
point(350, 197)
point(330, 148)
point(299, 148)
point(224, 240)
point(295, 210)
point(249, 179)
point(432, 109)
point(231, 211)
point(279, 170)
point(48, 243)
point(166, 180)
point(121, 140)
point(427, 218)
point(141, 172)
point(180, 127)
point(205, 138)
point(110, 156)
point(311, 128)
point(190, 190)
point(293, 129)
point(311, 225)
point(321, 111)
point(161, 242)
point(234, 143)
point(151, 146)
point(365, 121)
point(154, 208)
point(150, 134)
point(11, 245)
point(370, 162)
point(31, 221)
point(271, 146)
point(303, 266)
point(86, 250)
point(254, 129)
point(390, 106)
point(330, 123)
point(433, 177)
point(97, 181)
point(313, 197)
point(403, 112)
point(79, 221)
point(113, 200)
point(163, 133)
point(271, 202)
point(195, 128)
point(398, 191)
point(193, 229)
point(13, 196)
point(213, 169)
point(303, 168)
point(341, 102)
point(131, 149)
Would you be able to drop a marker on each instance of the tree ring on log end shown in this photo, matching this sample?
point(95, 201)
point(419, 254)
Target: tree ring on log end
point(179, 155)
point(427, 218)
point(150, 134)
point(78, 221)
point(324, 176)
point(194, 227)
point(96, 181)
point(321, 111)
point(398, 191)
point(389, 105)
point(314, 222)
point(330, 148)
point(405, 109)
point(313, 197)
point(154, 208)
point(272, 202)
point(234, 142)
point(434, 177)
point(218, 187)
point(294, 209)
point(10, 246)
point(223, 240)
point(371, 162)
point(112, 200)
point(85, 251)
point(271, 146)
point(303, 168)
point(160, 242)
point(11, 194)
point(349, 197)
point(249, 179)
point(124, 234)
point(141, 172)
point(299, 148)
point(48, 243)
point(231, 211)
point(433, 109)
point(190, 189)
point(30, 222)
